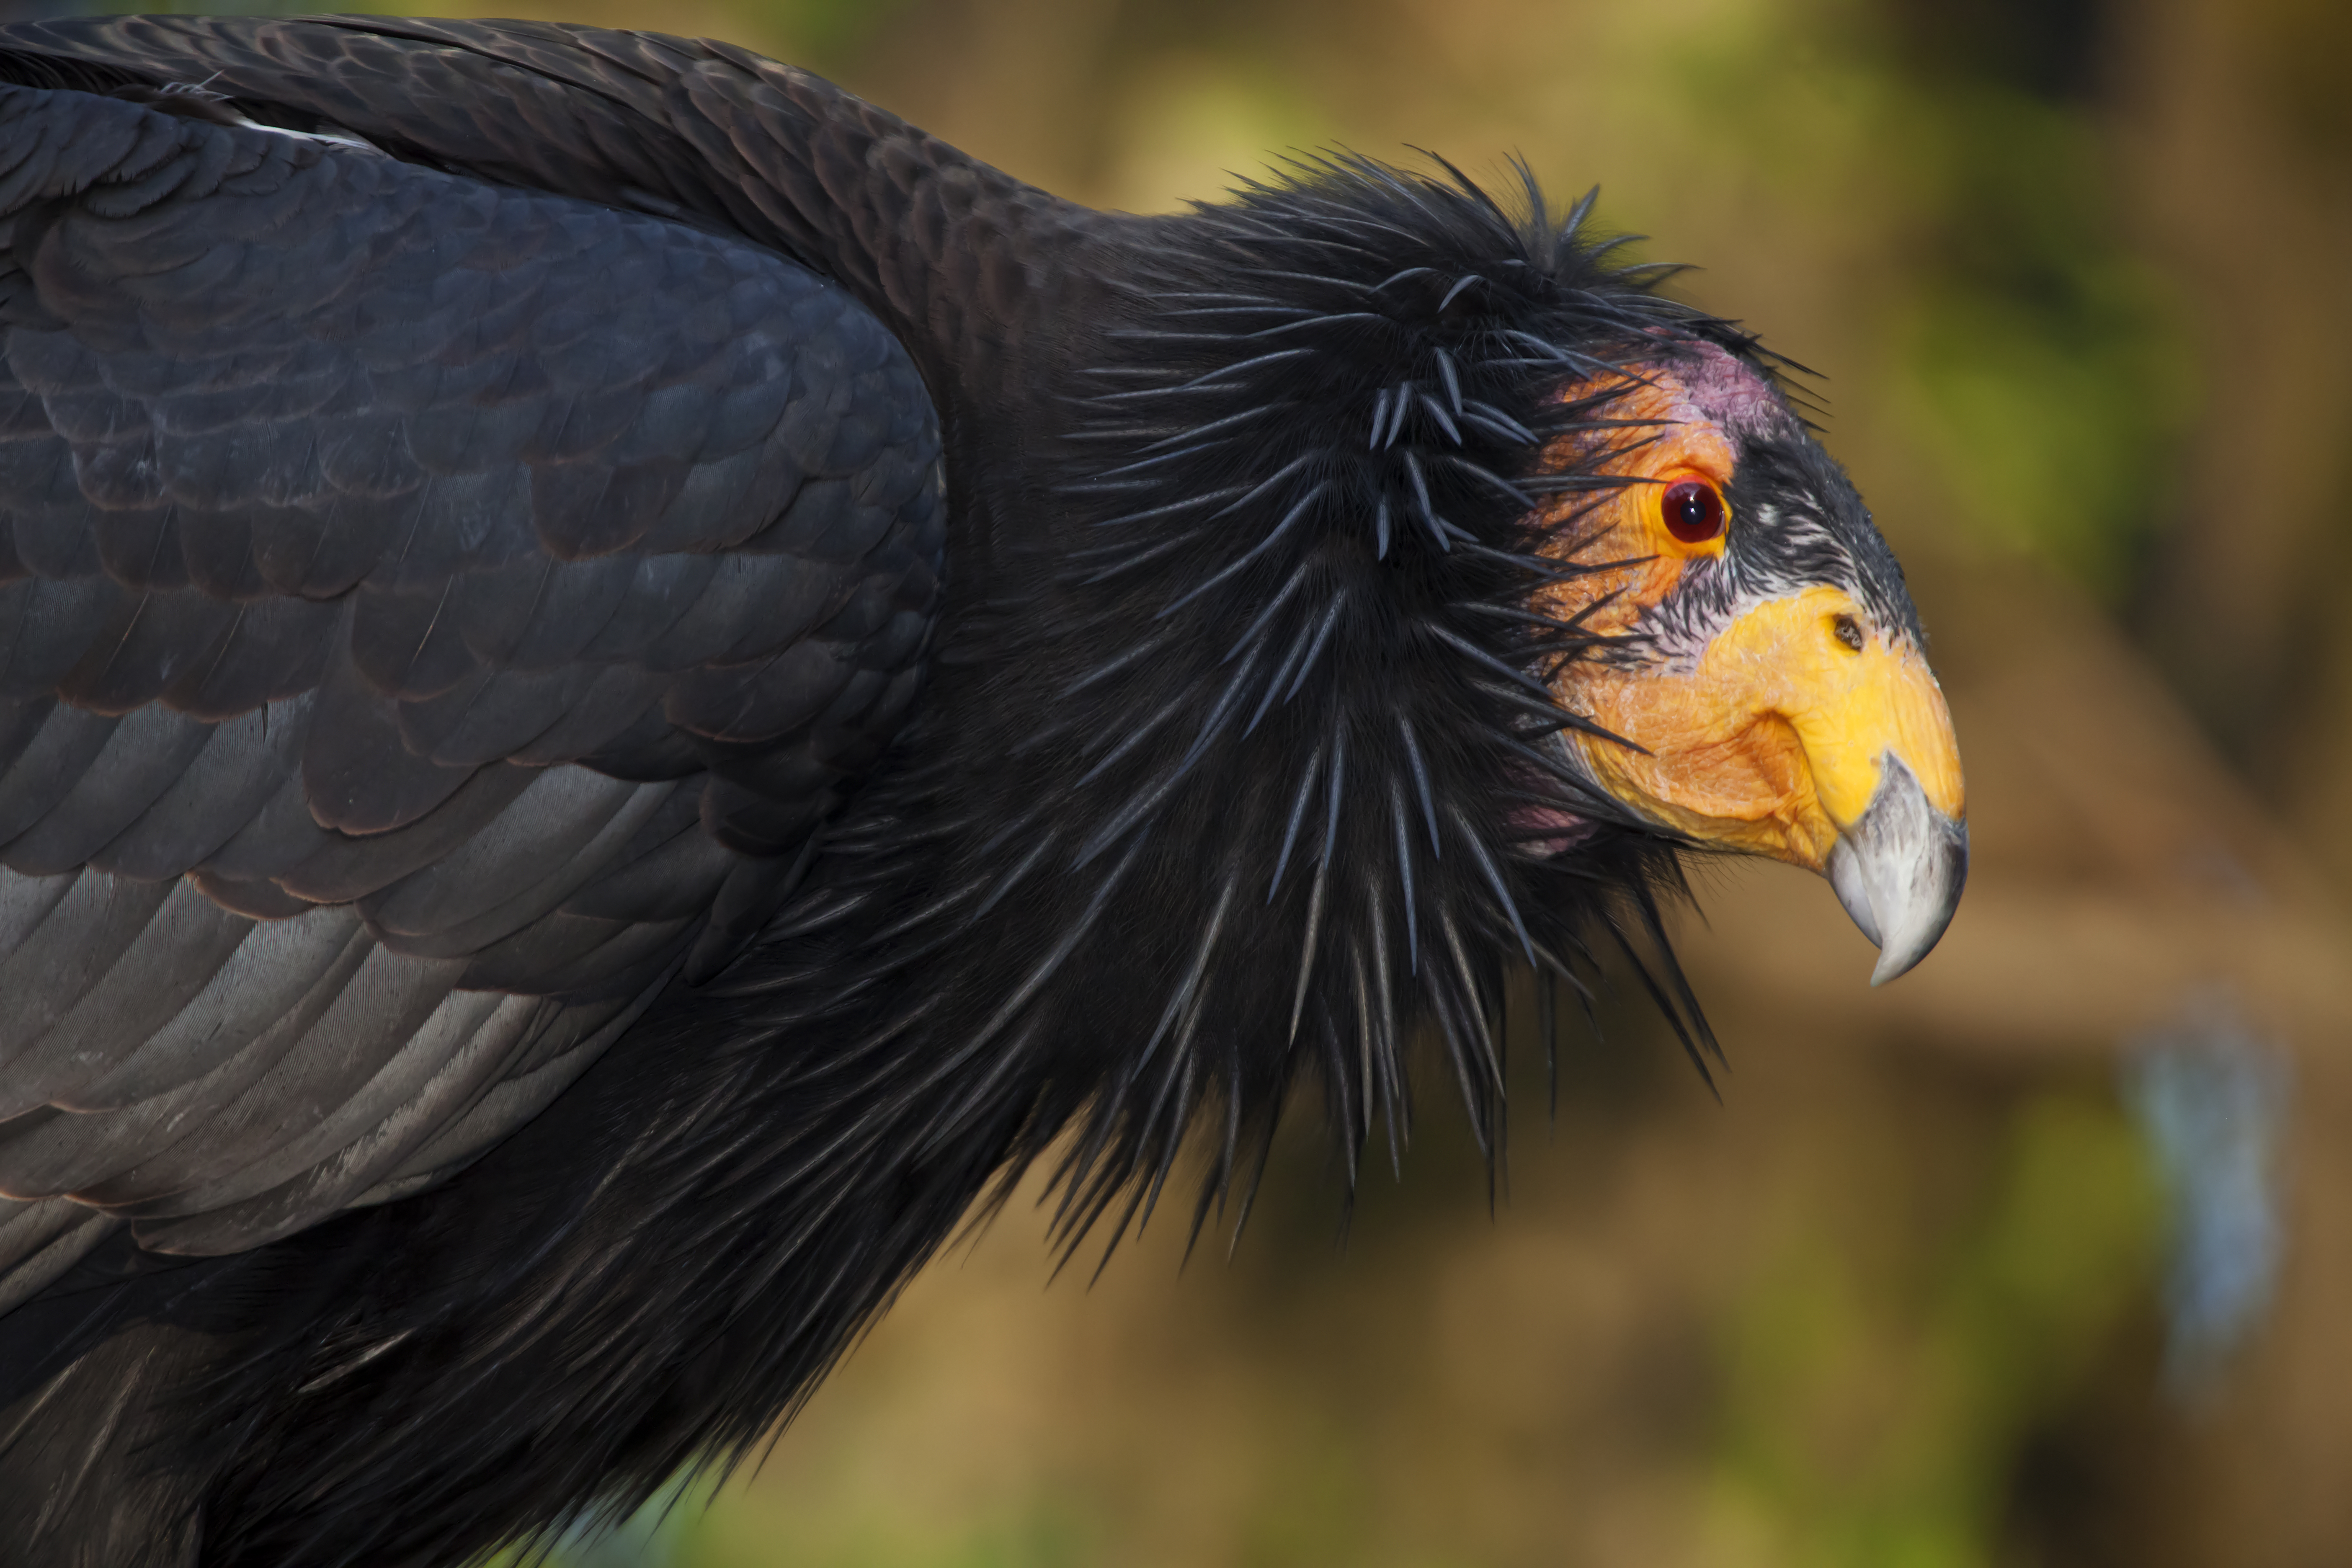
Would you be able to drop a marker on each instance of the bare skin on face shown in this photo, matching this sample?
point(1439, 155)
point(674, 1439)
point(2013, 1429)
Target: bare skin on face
point(1766, 724)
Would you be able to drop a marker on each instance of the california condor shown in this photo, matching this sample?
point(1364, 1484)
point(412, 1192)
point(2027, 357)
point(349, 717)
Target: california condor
point(626, 684)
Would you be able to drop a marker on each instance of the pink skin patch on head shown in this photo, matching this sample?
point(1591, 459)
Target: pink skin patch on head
point(1561, 830)
point(1718, 388)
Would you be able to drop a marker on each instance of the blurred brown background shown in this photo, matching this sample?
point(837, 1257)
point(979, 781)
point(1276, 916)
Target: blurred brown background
point(2042, 1255)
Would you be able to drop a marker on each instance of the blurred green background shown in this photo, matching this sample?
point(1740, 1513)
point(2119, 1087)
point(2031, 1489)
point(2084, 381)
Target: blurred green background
point(2042, 1255)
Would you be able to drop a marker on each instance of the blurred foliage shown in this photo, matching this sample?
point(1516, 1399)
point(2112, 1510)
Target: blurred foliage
point(1864, 1427)
point(828, 33)
point(2045, 356)
point(736, 1537)
point(2040, 360)
point(2300, 46)
point(1860, 1405)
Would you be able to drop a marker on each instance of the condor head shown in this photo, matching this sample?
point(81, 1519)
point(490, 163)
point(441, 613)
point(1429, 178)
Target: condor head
point(1761, 682)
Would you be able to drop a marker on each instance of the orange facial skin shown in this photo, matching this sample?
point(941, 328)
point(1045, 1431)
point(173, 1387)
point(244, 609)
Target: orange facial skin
point(1628, 528)
point(1769, 739)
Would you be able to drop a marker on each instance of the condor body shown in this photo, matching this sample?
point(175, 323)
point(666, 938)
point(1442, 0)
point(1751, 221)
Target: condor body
point(623, 681)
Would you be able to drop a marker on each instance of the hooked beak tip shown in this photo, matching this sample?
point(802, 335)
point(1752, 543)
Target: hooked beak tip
point(1899, 871)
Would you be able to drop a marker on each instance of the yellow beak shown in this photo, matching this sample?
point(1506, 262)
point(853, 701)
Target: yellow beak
point(1805, 733)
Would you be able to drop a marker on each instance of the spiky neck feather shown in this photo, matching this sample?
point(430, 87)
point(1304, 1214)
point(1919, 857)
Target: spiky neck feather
point(1237, 765)
point(1240, 758)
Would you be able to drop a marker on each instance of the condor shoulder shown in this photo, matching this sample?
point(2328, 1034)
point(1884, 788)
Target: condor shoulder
point(431, 615)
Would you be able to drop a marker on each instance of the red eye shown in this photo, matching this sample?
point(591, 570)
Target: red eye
point(1694, 511)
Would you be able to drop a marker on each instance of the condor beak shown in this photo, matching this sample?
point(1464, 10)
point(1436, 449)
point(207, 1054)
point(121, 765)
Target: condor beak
point(1805, 733)
point(1899, 870)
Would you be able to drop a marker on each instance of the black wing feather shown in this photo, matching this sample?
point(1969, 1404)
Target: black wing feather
point(429, 613)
